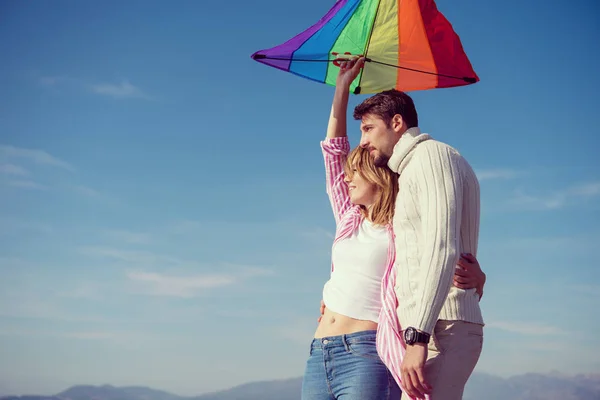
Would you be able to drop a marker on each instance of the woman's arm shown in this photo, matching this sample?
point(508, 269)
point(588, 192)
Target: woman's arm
point(335, 146)
point(349, 70)
point(335, 152)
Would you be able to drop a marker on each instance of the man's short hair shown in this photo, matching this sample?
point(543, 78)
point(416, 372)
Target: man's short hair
point(387, 104)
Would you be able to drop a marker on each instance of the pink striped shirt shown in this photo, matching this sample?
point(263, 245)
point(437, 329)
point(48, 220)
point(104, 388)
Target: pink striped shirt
point(390, 345)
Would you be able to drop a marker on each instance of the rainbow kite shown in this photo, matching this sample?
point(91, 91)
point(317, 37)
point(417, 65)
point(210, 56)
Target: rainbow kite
point(408, 45)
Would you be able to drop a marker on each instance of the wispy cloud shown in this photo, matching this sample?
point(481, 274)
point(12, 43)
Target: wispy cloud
point(300, 329)
point(53, 80)
point(585, 190)
point(86, 191)
point(34, 155)
point(299, 334)
point(499, 173)
point(13, 263)
point(587, 289)
point(85, 290)
point(130, 237)
point(93, 194)
point(526, 328)
point(183, 227)
point(132, 257)
point(186, 286)
point(558, 199)
point(120, 91)
point(546, 244)
point(90, 335)
point(31, 307)
point(9, 225)
point(11, 169)
point(19, 177)
point(26, 184)
point(179, 286)
point(317, 233)
point(83, 335)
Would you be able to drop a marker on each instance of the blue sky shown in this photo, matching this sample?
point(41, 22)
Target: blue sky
point(163, 219)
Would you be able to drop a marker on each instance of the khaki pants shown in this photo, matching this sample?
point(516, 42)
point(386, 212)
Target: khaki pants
point(453, 352)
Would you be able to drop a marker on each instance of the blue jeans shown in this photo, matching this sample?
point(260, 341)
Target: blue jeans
point(347, 367)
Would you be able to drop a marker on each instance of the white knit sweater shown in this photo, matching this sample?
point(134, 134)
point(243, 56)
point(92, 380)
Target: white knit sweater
point(436, 219)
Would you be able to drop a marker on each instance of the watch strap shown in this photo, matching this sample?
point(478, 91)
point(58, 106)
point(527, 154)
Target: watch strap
point(412, 336)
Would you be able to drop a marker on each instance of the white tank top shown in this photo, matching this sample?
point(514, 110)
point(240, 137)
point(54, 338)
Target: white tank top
point(359, 263)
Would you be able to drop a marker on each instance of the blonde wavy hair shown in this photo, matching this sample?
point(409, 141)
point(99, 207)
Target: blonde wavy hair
point(386, 181)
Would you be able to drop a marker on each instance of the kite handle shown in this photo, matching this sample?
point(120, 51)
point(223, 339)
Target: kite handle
point(337, 59)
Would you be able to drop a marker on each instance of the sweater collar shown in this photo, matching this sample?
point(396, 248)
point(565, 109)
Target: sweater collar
point(402, 150)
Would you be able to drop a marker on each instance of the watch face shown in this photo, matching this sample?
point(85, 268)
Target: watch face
point(409, 336)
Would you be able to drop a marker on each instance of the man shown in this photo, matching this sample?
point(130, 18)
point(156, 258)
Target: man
point(436, 219)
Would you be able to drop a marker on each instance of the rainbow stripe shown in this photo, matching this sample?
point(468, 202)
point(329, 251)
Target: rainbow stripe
point(409, 45)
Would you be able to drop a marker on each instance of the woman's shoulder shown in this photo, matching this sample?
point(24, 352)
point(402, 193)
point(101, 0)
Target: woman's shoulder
point(351, 213)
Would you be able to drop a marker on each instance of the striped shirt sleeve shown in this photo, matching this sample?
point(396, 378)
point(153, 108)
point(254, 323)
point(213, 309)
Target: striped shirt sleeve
point(335, 152)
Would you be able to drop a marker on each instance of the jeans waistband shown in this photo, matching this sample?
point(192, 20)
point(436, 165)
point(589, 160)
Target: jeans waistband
point(344, 340)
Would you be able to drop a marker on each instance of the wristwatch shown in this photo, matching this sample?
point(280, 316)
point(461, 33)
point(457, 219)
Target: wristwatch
point(412, 336)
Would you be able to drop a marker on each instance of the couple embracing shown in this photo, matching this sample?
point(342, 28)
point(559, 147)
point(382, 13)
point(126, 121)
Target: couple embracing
point(400, 316)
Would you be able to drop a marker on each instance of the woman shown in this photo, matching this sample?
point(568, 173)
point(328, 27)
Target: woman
point(343, 362)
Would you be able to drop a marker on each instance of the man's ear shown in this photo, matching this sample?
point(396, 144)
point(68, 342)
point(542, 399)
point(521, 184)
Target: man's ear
point(398, 123)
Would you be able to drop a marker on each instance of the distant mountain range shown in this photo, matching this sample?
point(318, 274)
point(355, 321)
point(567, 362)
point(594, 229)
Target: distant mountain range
point(480, 387)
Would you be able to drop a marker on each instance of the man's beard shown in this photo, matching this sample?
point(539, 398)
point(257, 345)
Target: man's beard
point(381, 160)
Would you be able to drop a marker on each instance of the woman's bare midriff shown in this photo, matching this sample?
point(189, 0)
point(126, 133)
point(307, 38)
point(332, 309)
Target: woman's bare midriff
point(334, 324)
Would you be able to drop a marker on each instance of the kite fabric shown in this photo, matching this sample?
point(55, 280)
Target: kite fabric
point(408, 45)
